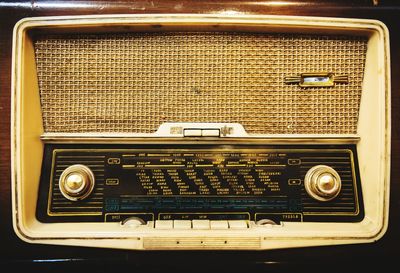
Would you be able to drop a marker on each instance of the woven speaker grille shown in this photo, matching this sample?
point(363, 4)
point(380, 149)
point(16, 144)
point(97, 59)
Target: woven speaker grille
point(135, 82)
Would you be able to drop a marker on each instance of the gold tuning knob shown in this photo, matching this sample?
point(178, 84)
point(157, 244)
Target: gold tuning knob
point(322, 183)
point(76, 182)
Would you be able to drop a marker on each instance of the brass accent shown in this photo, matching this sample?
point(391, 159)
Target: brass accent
point(318, 79)
point(341, 79)
point(294, 161)
point(113, 161)
point(112, 181)
point(76, 182)
point(322, 183)
point(294, 182)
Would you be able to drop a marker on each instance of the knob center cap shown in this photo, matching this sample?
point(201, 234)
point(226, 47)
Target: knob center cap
point(326, 183)
point(74, 182)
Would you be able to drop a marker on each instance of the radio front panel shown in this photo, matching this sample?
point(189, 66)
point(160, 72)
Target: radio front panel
point(200, 131)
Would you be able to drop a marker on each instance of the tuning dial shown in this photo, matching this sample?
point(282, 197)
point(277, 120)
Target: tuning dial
point(322, 183)
point(76, 182)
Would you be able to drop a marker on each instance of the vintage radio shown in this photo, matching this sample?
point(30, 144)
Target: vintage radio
point(200, 131)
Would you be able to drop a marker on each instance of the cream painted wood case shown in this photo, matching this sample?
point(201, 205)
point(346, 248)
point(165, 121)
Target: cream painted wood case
point(242, 86)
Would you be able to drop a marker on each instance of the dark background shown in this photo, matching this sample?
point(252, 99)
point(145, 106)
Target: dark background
point(15, 254)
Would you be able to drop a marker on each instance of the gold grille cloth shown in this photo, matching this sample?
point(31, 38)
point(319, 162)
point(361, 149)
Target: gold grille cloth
point(133, 82)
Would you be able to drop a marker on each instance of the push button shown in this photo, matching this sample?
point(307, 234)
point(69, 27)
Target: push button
point(182, 224)
point(192, 132)
point(201, 224)
point(164, 224)
point(237, 224)
point(219, 224)
point(210, 132)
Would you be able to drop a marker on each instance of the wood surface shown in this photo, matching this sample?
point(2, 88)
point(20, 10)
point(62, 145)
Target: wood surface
point(377, 256)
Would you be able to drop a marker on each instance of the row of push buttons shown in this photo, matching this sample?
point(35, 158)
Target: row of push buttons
point(201, 132)
point(201, 224)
